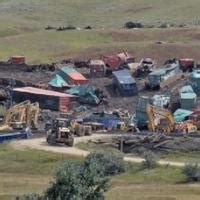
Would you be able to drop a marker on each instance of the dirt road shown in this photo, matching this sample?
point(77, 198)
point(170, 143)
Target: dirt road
point(40, 144)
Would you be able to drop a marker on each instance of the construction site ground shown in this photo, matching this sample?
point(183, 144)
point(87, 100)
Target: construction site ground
point(41, 144)
point(115, 100)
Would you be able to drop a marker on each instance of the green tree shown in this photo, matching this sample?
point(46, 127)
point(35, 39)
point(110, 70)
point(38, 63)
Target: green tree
point(112, 161)
point(74, 181)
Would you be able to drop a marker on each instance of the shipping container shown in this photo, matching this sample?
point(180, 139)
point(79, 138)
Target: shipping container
point(188, 98)
point(12, 136)
point(72, 76)
point(125, 83)
point(97, 68)
point(17, 60)
point(194, 81)
point(47, 99)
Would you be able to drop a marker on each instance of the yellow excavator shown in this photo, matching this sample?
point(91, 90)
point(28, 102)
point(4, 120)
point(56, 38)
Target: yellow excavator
point(21, 115)
point(160, 119)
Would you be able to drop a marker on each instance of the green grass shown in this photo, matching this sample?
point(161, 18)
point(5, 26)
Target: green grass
point(177, 156)
point(27, 171)
point(152, 184)
point(22, 25)
point(98, 13)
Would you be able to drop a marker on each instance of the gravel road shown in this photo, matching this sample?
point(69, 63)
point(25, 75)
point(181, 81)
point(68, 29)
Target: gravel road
point(41, 144)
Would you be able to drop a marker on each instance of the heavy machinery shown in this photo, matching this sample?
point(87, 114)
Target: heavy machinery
point(186, 127)
point(163, 77)
point(21, 115)
point(60, 132)
point(63, 130)
point(159, 119)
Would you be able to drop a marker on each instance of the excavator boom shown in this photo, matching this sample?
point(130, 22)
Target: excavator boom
point(165, 114)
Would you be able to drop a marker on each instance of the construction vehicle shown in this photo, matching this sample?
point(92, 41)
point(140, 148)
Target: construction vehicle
point(63, 130)
point(117, 61)
point(186, 127)
point(159, 119)
point(21, 115)
point(163, 77)
point(60, 132)
point(145, 67)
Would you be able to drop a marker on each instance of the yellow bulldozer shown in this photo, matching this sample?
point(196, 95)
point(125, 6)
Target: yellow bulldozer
point(21, 115)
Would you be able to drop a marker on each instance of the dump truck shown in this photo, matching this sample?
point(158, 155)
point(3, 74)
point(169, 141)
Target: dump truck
point(117, 61)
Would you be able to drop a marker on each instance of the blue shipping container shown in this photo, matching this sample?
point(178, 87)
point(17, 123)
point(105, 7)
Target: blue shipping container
point(12, 136)
point(125, 83)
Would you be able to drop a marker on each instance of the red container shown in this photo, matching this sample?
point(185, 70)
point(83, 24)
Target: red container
point(47, 99)
point(17, 60)
point(186, 64)
point(115, 61)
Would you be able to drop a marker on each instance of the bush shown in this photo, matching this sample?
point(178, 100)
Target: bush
point(192, 172)
point(111, 161)
point(75, 181)
point(31, 197)
point(85, 181)
point(150, 160)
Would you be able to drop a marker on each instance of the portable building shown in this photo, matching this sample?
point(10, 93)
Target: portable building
point(97, 68)
point(72, 76)
point(141, 115)
point(188, 97)
point(46, 98)
point(125, 83)
point(194, 81)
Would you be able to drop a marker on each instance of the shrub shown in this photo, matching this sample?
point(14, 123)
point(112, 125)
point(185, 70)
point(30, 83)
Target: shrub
point(192, 172)
point(31, 197)
point(111, 161)
point(150, 160)
point(75, 181)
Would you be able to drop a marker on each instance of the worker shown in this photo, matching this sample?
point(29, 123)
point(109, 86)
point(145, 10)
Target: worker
point(28, 131)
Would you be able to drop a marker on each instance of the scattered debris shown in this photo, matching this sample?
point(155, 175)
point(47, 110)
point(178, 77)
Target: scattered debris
point(131, 25)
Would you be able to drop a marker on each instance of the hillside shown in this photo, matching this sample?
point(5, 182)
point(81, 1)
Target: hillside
point(25, 15)
point(22, 24)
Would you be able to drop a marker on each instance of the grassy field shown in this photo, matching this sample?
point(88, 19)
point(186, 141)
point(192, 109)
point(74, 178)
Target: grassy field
point(177, 156)
point(27, 171)
point(30, 15)
point(22, 24)
point(30, 171)
point(46, 46)
point(155, 184)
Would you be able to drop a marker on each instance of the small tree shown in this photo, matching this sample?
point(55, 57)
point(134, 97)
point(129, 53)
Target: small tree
point(112, 161)
point(150, 160)
point(31, 197)
point(66, 184)
point(192, 172)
